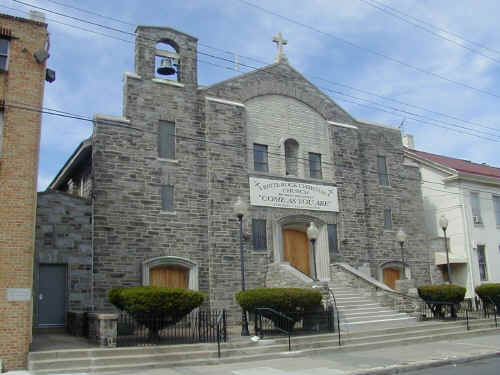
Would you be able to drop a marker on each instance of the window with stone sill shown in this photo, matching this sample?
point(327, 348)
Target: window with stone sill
point(166, 140)
point(315, 165)
point(387, 219)
point(475, 208)
point(167, 198)
point(4, 53)
point(260, 163)
point(291, 157)
point(383, 176)
point(259, 234)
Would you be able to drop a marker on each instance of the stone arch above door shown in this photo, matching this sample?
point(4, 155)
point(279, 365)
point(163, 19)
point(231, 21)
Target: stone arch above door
point(322, 253)
point(162, 261)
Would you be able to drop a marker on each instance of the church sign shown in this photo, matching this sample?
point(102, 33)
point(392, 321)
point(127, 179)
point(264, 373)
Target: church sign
point(291, 194)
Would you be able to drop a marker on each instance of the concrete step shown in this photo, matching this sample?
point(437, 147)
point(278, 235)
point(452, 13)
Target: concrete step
point(377, 317)
point(278, 348)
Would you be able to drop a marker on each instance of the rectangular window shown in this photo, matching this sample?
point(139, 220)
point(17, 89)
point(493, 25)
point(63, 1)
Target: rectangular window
point(475, 208)
point(167, 198)
point(496, 206)
point(332, 239)
point(166, 140)
point(4, 54)
point(383, 177)
point(315, 165)
point(259, 234)
point(387, 219)
point(481, 259)
point(260, 158)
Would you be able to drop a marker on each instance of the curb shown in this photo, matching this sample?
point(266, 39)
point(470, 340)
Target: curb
point(398, 369)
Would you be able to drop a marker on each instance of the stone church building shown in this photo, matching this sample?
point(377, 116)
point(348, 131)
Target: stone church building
point(158, 186)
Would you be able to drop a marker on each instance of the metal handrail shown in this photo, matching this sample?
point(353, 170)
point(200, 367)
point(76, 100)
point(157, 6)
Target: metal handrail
point(336, 312)
point(220, 319)
point(276, 313)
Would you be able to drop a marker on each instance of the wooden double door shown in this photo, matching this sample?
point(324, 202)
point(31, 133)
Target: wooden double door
point(390, 276)
point(169, 276)
point(296, 250)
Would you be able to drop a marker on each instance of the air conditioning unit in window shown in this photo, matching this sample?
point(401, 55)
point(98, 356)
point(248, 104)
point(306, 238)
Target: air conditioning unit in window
point(477, 219)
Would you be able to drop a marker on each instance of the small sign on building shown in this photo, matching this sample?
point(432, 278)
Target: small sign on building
point(18, 294)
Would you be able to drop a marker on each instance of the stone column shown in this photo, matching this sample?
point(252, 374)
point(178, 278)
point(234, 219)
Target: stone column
point(323, 255)
point(103, 329)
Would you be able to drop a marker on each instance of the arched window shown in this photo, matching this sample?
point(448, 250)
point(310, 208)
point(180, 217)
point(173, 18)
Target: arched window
point(167, 61)
point(291, 156)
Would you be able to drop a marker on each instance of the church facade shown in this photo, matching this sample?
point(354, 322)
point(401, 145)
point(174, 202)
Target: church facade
point(163, 179)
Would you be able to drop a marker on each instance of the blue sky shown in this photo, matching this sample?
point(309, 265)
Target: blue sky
point(90, 67)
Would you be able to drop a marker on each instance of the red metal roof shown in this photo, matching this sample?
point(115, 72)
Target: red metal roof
point(459, 165)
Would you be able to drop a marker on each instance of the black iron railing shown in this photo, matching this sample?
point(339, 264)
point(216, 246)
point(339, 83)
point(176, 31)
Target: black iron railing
point(493, 308)
point(270, 322)
point(197, 327)
point(337, 315)
point(439, 310)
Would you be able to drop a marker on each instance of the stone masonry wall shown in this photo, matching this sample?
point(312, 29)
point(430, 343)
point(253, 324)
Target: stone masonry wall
point(64, 236)
point(22, 82)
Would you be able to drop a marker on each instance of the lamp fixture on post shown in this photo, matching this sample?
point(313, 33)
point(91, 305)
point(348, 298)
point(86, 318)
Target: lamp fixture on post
point(312, 235)
point(240, 209)
point(401, 238)
point(443, 223)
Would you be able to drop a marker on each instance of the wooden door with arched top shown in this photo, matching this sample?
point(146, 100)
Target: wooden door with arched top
point(390, 277)
point(169, 276)
point(296, 250)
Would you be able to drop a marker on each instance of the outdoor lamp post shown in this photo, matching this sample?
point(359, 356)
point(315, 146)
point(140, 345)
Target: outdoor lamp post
point(401, 238)
point(240, 209)
point(312, 235)
point(443, 223)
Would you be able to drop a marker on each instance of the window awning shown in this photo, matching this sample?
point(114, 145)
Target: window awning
point(440, 258)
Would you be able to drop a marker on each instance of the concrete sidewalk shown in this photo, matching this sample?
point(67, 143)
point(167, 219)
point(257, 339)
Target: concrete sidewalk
point(389, 360)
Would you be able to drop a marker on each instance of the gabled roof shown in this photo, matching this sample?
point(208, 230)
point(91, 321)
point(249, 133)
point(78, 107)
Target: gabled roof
point(80, 156)
point(459, 165)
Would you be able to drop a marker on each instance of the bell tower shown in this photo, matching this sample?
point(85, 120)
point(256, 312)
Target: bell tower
point(164, 52)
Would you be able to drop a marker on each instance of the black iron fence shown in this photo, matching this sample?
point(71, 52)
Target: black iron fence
point(197, 327)
point(269, 322)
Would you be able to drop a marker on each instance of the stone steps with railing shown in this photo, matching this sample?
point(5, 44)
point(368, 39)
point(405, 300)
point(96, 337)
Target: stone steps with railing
point(140, 358)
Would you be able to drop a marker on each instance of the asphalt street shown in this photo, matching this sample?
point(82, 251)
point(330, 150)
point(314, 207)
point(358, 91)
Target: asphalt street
point(482, 367)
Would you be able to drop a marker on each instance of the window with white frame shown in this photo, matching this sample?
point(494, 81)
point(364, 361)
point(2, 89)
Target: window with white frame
point(481, 259)
point(496, 208)
point(4, 53)
point(475, 208)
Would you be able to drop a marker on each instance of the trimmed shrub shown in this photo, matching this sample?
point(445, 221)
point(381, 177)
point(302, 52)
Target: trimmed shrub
point(442, 293)
point(490, 290)
point(295, 300)
point(155, 307)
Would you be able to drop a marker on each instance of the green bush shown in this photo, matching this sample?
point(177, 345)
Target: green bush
point(166, 305)
point(294, 300)
point(488, 290)
point(442, 293)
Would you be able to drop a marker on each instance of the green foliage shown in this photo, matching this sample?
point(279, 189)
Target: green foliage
point(155, 307)
point(442, 293)
point(488, 290)
point(280, 299)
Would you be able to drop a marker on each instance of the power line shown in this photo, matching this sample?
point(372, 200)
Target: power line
point(339, 93)
point(247, 149)
point(369, 50)
point(460, 36)
point(394, 14)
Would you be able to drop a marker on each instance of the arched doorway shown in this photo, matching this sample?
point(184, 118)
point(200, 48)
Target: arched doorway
point(171, 276)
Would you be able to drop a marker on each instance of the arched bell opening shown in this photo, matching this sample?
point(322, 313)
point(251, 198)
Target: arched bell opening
point(167, 60)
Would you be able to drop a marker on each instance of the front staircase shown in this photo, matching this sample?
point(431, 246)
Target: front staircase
point(142, 358)
point(359, 311)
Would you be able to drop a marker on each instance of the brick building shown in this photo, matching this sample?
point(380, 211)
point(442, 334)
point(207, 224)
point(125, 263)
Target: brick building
point(22, 74)
point(163, 179)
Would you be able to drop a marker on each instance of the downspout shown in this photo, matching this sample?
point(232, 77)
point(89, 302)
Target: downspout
point(468, 236)
point(92, 304)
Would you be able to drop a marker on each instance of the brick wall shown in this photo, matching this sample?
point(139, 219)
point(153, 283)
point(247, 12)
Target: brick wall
point(23, 82)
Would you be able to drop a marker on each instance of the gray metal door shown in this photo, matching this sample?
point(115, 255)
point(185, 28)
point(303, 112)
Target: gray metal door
point(51, 294)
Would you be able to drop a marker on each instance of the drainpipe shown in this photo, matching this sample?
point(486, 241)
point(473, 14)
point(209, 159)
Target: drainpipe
point(468, 236)
point(92, 304)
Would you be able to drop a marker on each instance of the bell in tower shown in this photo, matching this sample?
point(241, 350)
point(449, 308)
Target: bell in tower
point(167, 66)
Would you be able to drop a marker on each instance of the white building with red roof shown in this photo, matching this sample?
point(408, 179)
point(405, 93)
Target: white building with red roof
point(468, 195)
